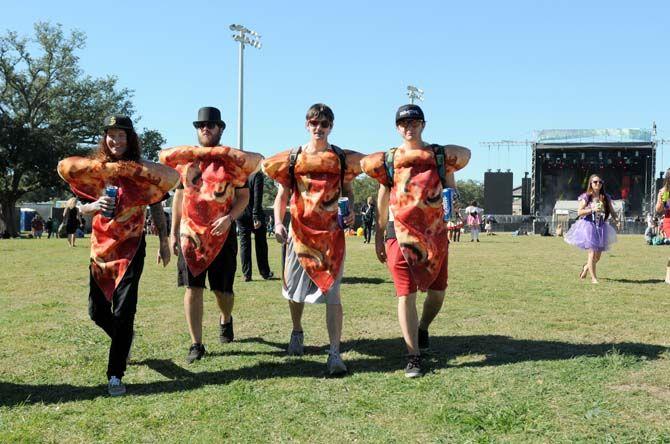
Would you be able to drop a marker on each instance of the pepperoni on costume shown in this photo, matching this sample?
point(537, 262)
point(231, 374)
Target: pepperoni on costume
point(317, 238)
point(416, 202)
point(115, 241)
point(210, 176)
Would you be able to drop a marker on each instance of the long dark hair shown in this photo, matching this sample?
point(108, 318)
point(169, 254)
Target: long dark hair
point(133, 151)
point(604, 198)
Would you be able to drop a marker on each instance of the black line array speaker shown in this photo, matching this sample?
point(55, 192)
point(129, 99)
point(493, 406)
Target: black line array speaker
point(498, 193)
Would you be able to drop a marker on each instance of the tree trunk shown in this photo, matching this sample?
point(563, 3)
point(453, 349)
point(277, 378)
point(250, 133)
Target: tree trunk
point(9, 217)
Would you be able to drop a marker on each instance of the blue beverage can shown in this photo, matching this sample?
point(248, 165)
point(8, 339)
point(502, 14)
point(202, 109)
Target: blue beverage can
point(447, 203)
point(342, 211)
point(111, 191)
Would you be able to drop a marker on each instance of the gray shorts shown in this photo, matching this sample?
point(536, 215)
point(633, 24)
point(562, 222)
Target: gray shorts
point(299, 287)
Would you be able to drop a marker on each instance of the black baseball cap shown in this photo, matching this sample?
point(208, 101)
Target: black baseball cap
point(118, 121)
point(209, 114)
point(409, 112)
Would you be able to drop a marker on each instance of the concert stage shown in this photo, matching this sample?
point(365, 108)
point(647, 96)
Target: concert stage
point(563, 160)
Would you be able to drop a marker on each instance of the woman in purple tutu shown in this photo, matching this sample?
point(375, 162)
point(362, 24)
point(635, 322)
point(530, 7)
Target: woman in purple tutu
point(592, 232)
point(663, 206)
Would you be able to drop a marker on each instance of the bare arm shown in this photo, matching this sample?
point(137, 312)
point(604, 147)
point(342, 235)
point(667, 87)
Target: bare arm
point(279, 211)
point(176, 220)
point(382, 220)
point(382, 209)
point(239, 203)
point(222, 224)
point(583, 210)
point(158, 216)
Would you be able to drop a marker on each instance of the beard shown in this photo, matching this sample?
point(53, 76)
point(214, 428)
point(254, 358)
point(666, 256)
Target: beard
point(210, 141)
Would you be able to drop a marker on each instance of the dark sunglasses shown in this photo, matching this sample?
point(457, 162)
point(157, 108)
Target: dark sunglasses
point(209, 125)
point(597, 181)
point(314, 123)
point(410, 123)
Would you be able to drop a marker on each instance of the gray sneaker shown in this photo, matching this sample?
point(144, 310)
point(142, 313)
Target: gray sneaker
point(413, 368)
point(116, 387)
point(335, 364)
point(295, 344)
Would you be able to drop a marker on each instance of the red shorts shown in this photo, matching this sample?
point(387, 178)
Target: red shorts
point(402, 276)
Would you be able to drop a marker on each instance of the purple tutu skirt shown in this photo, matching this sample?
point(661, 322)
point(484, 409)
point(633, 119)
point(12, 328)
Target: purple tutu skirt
point(588, 235)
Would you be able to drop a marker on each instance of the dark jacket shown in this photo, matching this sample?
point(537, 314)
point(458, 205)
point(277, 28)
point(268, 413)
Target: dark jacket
point(254, 210)
point(368, 212)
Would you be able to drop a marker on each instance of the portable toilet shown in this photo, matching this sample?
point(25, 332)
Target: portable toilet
point(27, 215)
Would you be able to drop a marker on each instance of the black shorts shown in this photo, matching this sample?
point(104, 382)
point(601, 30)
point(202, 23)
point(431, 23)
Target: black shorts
point(220, 273)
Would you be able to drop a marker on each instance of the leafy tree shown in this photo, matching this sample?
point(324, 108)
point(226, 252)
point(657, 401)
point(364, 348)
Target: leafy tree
point(152, 142)
point(364, 187)
point(470, 190)
point(49, 109)
point(269, 192)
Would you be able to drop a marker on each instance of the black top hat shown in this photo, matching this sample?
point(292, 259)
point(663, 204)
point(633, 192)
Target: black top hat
point(118, 121)
point(409, 112)
point(209, 114)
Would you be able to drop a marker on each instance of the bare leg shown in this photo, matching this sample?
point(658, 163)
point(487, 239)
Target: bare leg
point(409, 321)
point(296, 309)
point(585, 269)
point(225, 301)
point(431, 307)
point(193, 310)
point(334, 323)
point(592, 266)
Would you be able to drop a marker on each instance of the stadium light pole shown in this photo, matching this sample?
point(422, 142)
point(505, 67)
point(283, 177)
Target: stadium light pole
point(244, 37)
point(414, 93)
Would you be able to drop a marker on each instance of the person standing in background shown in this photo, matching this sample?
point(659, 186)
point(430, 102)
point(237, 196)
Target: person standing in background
point(368, 212)
point(253, 221)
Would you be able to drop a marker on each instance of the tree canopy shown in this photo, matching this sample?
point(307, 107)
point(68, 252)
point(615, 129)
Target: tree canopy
point(49, 109)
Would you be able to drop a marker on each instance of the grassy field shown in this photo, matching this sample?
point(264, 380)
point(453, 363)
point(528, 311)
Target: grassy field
point(522, 352)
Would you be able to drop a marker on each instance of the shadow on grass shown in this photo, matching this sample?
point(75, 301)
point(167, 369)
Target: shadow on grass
point(363, 280)
point(380, 355)
point(636, 281)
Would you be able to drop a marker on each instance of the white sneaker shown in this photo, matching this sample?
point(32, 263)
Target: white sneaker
point(335, 364)
point(295, 344)
point(116, 387)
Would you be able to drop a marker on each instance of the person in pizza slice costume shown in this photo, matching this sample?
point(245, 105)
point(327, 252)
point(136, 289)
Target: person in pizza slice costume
point(412, 237)
point(117, 242)
point(213, 193)
point(314, 175)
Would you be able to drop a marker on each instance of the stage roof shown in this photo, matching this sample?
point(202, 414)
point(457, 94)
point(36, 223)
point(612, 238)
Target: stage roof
point(604, 135)
point(594, 146)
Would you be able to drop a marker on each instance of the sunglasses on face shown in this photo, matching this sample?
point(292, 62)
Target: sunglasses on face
point(597, 181)
point(208, 125)
point(410, 123)
point(315, 123)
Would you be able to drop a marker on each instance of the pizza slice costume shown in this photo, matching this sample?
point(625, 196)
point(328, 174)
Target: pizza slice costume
point(116, 240)
point(416, 209)
point(316, 240)
point(209, 176)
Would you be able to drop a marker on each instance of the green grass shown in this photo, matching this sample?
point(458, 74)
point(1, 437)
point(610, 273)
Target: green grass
point(522, 352)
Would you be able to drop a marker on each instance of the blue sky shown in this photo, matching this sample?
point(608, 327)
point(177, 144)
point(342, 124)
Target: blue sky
point(491, 70)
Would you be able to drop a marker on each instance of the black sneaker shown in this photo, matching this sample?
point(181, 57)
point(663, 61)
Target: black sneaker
point(413, 368)
point(424, 340)
point(226, 333)
point(247, 278)
point(270, 275)
point(195, 353)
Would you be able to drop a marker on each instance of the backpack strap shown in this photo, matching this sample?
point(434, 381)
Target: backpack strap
point(388, 165)
point(343, 164)
point(438, 151)
point(292, 159)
